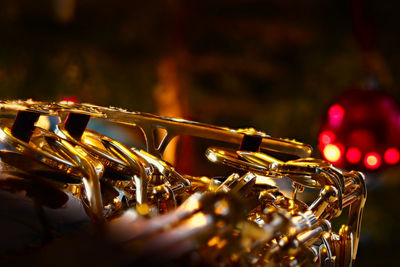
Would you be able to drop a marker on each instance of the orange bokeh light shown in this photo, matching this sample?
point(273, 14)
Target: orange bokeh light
point(372, 160)
point(332, 153)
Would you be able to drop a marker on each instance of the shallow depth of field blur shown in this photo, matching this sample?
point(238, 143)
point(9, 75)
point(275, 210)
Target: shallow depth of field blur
point(274, 65)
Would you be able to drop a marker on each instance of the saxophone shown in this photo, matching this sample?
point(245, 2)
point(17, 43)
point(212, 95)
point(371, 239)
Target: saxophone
point(135, 205)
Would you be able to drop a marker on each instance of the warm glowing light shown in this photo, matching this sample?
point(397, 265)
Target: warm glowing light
point(221, 207)
point(191, 203)
point(212, 157)
point(205, 179)
point(353, 155)
point(264, 180)
point(392, 156)
point(372, 160)
point(198, 220)
point(213, 241)
point(70, 99)
point(336, 113)
point(43, 122)
point(142, 209)
point(326, 137)
point(332, 153)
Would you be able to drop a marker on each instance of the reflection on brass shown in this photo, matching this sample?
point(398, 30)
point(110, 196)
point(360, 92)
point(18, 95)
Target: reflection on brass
point(155, 214)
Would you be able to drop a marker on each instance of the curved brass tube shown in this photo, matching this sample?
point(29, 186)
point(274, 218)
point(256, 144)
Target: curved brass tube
point(150, 209)
point(94, 171)
point(135, 161)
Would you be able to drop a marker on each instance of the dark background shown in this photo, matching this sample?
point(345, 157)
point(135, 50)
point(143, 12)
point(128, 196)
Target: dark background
point(273, 65)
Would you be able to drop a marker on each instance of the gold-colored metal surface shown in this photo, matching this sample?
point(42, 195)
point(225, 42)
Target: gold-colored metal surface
point(155, 214)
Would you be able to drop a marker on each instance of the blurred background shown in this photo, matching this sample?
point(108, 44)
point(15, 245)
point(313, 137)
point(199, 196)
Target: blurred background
point(277, 66)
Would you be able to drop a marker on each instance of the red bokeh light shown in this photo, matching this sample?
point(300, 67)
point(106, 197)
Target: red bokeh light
point(392, 155)
point(398, 121)
point(353, 155)
point(72, 99)
point(336, 113)
point(364, 139)
point(326, 137)
point(364, 127)
point(372, 160)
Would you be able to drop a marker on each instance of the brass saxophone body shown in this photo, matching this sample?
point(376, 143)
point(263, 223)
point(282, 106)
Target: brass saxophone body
point(138, 203)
